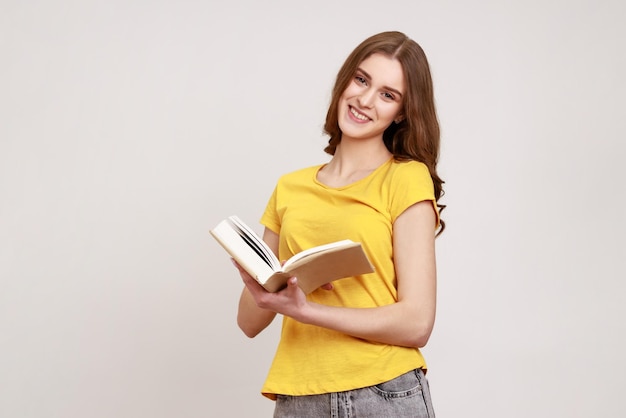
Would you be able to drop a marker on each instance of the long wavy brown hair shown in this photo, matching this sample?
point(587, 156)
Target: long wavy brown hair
point(417, 136)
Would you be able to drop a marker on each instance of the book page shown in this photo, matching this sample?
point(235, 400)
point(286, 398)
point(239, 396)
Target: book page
point(255, 242)
point(233, 241)
point(314, 250)
point(321, 267)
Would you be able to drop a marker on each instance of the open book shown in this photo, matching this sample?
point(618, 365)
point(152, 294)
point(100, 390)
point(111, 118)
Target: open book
point(313, 267)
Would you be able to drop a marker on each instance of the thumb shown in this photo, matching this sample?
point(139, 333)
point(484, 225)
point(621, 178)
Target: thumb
point(292, 286)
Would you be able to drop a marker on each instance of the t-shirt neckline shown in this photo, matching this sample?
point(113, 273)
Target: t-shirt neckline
point(354, 183)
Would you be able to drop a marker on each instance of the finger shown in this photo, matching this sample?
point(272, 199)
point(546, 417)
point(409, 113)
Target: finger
point(250, 282)
point(292, 286)
point(236, 264)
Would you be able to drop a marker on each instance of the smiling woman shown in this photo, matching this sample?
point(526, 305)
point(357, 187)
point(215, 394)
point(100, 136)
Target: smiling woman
point(355, 343)
point(373, 101)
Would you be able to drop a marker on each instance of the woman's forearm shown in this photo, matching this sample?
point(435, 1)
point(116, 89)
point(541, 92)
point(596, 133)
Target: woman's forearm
point(250, 318)
point(397, 324)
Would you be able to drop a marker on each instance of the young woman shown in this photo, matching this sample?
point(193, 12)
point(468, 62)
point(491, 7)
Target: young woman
point(351, 348)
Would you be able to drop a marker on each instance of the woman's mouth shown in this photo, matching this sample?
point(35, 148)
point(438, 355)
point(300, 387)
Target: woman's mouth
point(358, 115)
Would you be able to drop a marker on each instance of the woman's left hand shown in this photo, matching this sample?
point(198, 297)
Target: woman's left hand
point(290, 301)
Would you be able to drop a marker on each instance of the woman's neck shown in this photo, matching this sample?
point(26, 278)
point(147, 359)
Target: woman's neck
point(353, 161)
point(360, 154)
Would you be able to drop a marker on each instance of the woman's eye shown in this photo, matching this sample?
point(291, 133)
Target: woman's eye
point(388, 96)
point(360, 80)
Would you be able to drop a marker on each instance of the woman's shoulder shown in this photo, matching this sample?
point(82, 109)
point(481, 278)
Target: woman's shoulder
point(409, 168)
point(409, 174)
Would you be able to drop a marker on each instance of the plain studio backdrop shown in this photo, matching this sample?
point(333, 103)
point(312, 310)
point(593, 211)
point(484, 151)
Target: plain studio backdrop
point(129, 128)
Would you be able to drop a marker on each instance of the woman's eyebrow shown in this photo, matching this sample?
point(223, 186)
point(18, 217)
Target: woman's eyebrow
point(369, 77)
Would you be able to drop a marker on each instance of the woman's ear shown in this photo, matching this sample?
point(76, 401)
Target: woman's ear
point(398, 119)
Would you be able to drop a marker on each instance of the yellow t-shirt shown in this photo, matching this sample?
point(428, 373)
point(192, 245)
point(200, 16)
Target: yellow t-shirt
point(305, 213)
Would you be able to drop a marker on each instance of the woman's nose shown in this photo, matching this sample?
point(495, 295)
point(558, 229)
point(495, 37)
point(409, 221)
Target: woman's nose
point(366, 99)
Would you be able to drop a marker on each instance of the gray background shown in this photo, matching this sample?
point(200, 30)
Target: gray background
point(129, 128)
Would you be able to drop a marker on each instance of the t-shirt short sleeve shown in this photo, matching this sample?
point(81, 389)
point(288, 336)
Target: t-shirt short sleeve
point(270, 218)
point(411, 184)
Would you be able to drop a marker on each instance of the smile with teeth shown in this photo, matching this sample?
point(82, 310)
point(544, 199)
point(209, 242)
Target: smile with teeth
point(358, 115)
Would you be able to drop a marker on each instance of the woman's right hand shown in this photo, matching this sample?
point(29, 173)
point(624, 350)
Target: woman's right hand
point(290, 301)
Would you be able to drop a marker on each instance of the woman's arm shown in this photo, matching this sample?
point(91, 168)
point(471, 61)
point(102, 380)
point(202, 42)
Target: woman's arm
point(251, 318)
point(408, 322)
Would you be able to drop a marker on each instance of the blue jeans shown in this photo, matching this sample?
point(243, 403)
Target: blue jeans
point(407, 395)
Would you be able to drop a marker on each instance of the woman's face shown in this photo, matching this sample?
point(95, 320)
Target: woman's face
point(373, 99)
